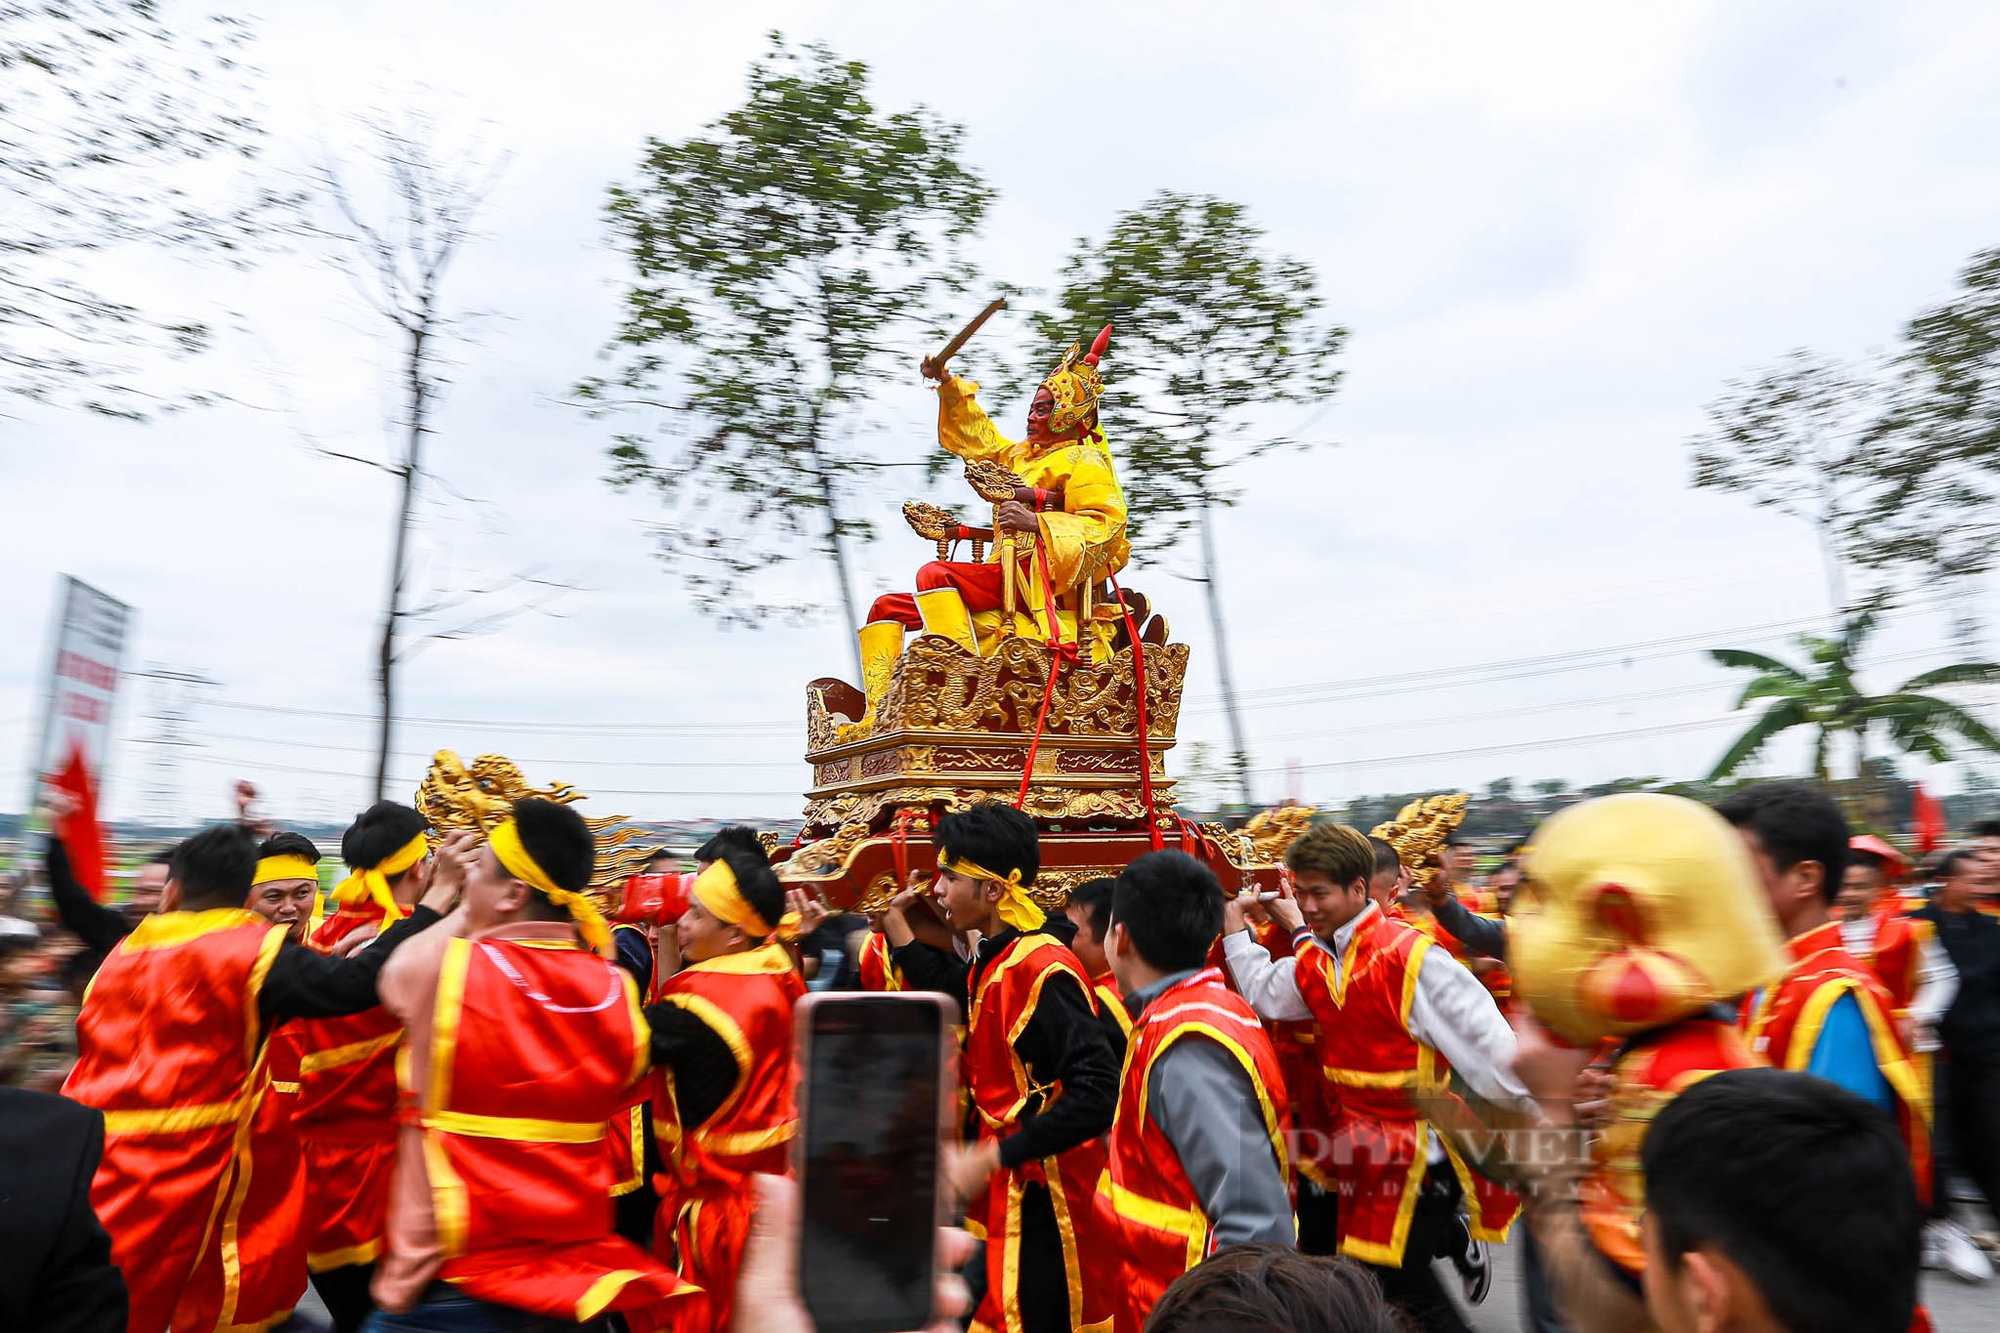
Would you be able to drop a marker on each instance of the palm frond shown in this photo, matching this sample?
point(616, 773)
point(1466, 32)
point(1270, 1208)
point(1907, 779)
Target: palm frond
point(1910, 716)
point(1744, 659)
point(1964, 673)
point(1779, 717)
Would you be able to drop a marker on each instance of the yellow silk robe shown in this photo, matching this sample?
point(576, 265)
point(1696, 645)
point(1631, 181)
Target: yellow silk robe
point(1083, 540)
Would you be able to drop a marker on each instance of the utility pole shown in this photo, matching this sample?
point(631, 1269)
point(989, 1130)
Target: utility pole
point(174, 694)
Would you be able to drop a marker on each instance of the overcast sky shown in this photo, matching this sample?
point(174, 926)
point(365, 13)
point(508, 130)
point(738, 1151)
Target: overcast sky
point(1553, 231)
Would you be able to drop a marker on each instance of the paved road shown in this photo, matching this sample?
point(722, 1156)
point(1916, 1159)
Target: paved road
point(1955, 1306)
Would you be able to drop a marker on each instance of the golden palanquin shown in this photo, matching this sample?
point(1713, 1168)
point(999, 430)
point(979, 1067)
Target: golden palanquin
point(955, 730)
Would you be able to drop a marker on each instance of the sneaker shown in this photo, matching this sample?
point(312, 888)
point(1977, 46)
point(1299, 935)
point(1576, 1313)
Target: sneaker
point(1947, 1247)
point(1474, 1262)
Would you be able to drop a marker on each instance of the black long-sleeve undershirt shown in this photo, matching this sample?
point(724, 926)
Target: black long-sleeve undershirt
point(1064, 1041)
point(1480, 935)
point(99, 927)
point(704, 1068)
point(304, 983)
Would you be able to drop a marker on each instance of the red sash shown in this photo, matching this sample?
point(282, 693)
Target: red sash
point(1157, 1217)
point(168, 1047)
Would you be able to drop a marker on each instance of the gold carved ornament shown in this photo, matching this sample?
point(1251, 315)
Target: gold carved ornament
point(455, 796)
point(1419, 830)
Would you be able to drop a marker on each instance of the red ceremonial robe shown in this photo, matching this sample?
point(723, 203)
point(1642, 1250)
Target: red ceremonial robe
point(1156, 1215)
point(1378, 1071)
point(705, 1194)
point(998, 1084)
point(535, 1044)
point(169, 1048)
point(1784, 1027)
point(346, 1118)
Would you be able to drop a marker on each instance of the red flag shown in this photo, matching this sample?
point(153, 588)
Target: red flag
point(1926, 819)
point(81, 837)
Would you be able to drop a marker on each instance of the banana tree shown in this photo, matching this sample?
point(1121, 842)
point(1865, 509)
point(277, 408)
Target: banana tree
point(1826, 697)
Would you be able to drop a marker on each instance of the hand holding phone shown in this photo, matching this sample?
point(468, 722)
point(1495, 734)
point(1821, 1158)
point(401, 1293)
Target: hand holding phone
point(876, 1095)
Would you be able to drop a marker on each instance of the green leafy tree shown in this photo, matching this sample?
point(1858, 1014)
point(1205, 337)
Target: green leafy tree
point(106, 108)
point(784, 260)
point(1935, 507)
point(1798, 438)
point(1826, 697)
point(1213, 330)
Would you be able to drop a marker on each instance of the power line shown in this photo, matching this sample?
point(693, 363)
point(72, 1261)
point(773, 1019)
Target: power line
point(425, 755)
point(1627, 733)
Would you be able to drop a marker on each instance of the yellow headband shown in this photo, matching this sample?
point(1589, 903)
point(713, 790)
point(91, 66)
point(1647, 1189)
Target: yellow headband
point(273, 868)
point(1016, 908)
point(372, 884)
point(717, 891)
point(506, 843)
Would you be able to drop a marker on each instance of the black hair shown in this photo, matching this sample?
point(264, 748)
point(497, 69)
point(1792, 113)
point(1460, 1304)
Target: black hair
point(740, 836)
point(1951, 866)
point(1171, 907)
point(1094, 897)
point(993, 837)
point(1457, 837)
point(1986, 828)
point(289, 843)
point(561, 843)
point(755, 880)
point(1766, 1166)
point(1386, 857)
point(1873, 860)
point(378, 833)
point(162, 856)
point(11, 944)
point(215, 867)
point(1795, 822)
point(1274, 1289)
point(660, 854)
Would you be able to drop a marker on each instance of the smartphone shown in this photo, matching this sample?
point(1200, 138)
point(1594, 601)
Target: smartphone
point(876, 1087)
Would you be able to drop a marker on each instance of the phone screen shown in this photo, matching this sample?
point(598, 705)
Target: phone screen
point(869, 1186)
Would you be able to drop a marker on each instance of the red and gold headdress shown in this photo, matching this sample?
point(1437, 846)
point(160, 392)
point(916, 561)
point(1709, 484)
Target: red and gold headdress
point(1076, 386)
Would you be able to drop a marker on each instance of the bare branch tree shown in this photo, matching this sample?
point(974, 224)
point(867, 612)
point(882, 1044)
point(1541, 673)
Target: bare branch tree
point(397, 262)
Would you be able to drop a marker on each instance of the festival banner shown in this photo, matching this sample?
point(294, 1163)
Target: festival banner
point(88, 647)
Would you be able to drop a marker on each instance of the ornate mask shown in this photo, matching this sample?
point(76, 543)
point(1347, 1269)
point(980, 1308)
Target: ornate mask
point(1638, 910)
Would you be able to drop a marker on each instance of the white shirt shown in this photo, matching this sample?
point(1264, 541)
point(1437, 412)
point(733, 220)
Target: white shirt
point(1937, 979)
point(1451, 1012)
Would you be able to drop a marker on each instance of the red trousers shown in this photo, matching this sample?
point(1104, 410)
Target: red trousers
point(979, 585)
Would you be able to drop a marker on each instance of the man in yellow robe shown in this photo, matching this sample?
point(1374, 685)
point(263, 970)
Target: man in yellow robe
point(1068, 514)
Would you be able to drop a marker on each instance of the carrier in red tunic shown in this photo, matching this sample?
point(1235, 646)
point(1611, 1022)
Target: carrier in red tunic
point(535, 1045)
point(1156, 1216)
point(1001, 1092)
point(1895, 953)
point(1649, 1071)
point(169, 1047)
point(1104, 988)
point(1296, 1042)
point(878, 970)
point(704, 1188)
point(1378, 1072)
point(345, 1115)
point(1784, 1025)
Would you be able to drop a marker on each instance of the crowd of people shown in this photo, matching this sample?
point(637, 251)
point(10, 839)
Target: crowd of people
point(1721, 1069)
